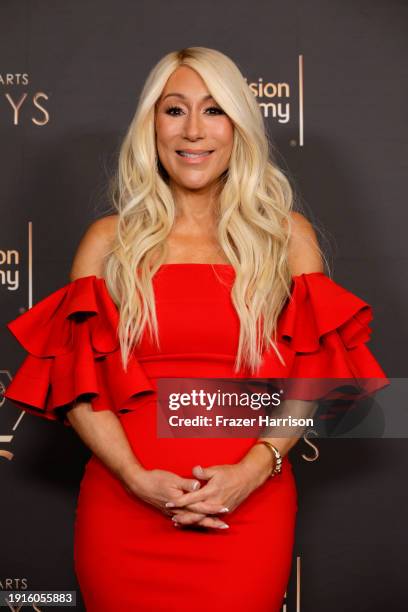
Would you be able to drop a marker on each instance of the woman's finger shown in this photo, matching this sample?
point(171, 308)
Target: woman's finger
point(188, 498)
point(187, 518)
point(191, 518)
point(204, 473)
point(210, 521)
point(207, 507)
point(189, 484)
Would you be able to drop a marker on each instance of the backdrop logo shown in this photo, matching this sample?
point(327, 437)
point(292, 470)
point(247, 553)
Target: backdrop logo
point(276, 99)
point(18, 104)
point(11, 584)
point(273, 99)
point(315, 455)
point(9, 276)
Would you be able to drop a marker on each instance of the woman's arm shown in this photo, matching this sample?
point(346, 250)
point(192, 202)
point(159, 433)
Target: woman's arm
point(103, 433)
point(303, 258)
point(102, 430)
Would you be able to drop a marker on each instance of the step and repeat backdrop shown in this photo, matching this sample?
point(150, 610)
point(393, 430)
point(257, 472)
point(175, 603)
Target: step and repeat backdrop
point(331, 81)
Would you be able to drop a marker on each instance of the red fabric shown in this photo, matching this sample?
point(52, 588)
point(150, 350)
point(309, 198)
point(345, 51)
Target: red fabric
point(141, 561)
point(322, 335)
point(73, 350)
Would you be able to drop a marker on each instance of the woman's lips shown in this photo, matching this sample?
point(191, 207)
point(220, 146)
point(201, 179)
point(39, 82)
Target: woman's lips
point(196, 158)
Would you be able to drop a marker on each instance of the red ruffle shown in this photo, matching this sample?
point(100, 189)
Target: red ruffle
point(322, 334)
point(73, 350)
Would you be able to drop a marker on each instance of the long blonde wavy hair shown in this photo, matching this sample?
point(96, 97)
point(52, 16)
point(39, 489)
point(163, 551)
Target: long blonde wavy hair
point(253, 212)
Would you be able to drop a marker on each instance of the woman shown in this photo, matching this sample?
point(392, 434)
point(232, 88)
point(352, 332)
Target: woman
point(205, 218)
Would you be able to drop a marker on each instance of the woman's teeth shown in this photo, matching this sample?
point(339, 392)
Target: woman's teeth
point(184, 154)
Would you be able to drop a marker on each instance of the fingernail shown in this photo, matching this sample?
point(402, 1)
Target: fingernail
point(169, 504)
point(176, 524)
point(174, 518)
point(196, 485)
point(223, 526)
point(224, 509)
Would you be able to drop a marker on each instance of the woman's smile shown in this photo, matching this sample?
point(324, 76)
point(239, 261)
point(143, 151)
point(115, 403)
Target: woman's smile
point(190, 156)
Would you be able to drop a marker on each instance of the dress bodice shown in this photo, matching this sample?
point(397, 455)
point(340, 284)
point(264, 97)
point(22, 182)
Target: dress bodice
point(73, 349)
point(194, 311)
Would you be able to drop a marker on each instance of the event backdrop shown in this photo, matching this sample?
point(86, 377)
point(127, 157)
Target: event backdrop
point(331, 80)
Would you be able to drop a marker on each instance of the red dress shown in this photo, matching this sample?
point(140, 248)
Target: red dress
point(128, 555)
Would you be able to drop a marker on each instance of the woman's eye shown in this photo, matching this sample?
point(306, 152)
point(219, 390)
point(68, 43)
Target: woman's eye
point(170, 110)
point(219, 110)
point(173, 110)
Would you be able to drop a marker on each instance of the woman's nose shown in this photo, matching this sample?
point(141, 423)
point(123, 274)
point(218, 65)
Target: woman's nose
point(193, 126)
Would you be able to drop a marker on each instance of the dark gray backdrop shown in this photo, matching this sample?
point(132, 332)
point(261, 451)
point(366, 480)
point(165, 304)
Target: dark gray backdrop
point(90, 59)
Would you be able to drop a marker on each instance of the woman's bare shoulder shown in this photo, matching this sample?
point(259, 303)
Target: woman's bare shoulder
point(93, 247)
point(304, 255)
point(105, 225)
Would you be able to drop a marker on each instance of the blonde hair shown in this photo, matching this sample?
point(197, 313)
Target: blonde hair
point(253, 212)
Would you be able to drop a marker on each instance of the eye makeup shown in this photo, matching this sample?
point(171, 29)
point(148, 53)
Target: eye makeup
point(174, 107)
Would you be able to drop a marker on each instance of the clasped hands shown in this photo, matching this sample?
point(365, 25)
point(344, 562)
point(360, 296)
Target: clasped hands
point(189, 503)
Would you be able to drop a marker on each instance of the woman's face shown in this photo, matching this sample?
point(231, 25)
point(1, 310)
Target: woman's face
point(189, 120)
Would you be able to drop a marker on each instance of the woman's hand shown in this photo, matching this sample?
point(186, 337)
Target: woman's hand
point(156, 487)
point(227, 487)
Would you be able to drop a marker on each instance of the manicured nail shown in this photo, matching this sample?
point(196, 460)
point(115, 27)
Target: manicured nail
point(196, 485)
point(224, 509)
point(170, 504)
point(223, 526)
point(174, 518)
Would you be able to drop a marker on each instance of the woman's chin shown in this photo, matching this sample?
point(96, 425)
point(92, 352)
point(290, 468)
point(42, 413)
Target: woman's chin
point(194, 183)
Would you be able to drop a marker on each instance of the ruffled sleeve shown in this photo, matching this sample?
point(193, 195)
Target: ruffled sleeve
point(73, 352)
point(322, 335)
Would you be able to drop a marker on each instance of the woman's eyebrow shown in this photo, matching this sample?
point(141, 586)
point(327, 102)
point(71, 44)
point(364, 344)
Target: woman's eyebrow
point(180, 95)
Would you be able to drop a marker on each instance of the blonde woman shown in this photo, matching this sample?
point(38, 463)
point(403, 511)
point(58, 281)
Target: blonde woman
point(203, 246)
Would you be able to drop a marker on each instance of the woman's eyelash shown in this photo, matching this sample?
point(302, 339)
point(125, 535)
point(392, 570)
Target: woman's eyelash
point(173, 108)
